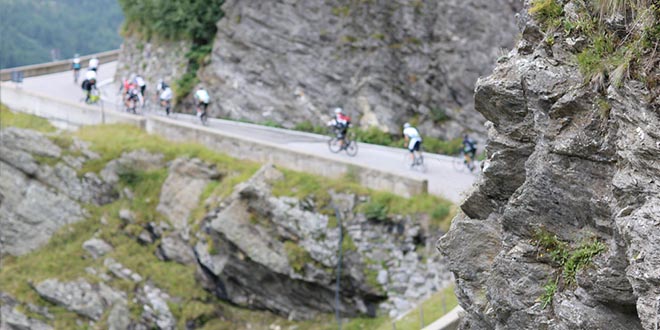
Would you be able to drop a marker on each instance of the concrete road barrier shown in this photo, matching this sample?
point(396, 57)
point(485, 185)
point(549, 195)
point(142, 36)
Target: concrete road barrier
point(245, 148)
point(450, 321)
point(70, 113)
point(57, 66)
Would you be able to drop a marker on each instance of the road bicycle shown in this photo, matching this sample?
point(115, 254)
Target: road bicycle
point(346, 143)
point(464, 161)
point(131, 104)
point(167, 105)
point(202, 114)
point(94, 97)
point(416, 163)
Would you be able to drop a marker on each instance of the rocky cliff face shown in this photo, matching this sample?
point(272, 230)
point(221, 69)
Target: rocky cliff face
point(384, 62)
point(562, 226)
point(153, 59)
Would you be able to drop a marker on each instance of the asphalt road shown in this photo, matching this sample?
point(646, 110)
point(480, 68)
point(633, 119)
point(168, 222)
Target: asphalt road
point(444, 180)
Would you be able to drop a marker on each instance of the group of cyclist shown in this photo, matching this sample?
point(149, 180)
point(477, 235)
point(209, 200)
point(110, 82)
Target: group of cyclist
point(135, 86)
point(134, 94)
point(412, 140)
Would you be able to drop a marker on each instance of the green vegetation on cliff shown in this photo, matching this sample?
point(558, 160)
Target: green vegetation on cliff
point(31, 29)
point(622, 37)
point(194, 20)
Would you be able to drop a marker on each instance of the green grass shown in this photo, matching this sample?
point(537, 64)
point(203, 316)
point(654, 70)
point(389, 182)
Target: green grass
point(298, 256)
point(546, 11)
point(110, 141)
point(381, 206)
point(9, 118)
point(432, 310)
point(549, 291)
point(611, 57)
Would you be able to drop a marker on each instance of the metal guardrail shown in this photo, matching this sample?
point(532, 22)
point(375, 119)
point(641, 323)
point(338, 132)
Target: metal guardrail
point(53, 67)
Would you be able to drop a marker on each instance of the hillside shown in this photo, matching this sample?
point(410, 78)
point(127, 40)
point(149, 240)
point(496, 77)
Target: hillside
point(110, 228)
point(31, 29)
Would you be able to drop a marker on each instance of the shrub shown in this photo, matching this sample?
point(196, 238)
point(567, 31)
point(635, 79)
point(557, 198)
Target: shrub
point(375, 136)
point(376, 210)
point(307, 126)
point(546, 10)
point(549, 291)
point(439, 114)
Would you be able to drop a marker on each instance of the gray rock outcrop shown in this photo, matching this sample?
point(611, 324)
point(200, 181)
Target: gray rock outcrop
point(138, 160)
point(276, 253)
point(182, 189)
point(153, 59)
point(576, 163)
point(385, 62)
point(30, 211)
point(39, 192)
point(97, 247)
point(12, 319)
point(81, 297)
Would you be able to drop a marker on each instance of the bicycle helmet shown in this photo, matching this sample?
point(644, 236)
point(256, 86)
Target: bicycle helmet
point(406, 125)
point(338, 110)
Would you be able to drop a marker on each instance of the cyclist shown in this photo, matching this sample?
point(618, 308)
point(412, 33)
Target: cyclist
point(160, 86)
point(139, 81)
point(413, 139)
point(133, 97)
point(202, 99)
point(469, 151)
point(87, 86)
point(340, 123)
point(93, 64)
point(165, 96)
point(75, 65)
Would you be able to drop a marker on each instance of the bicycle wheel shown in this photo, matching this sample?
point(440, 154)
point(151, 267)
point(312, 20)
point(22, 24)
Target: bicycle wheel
point(334, 144)
point(407, 162)
point(351, 148)
point(458, 163)
point(419, 164)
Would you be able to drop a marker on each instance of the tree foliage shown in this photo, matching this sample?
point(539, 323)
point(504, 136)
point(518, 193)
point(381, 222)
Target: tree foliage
point(30, 29)
point(174, 19)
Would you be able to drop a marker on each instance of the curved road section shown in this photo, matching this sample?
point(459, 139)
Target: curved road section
point(443, 179)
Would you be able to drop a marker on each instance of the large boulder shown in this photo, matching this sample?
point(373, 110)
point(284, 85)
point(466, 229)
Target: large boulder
point(77, 296)
point(280, 253)
point(182, 189)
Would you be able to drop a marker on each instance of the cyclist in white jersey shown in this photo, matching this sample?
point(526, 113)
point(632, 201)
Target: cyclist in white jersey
point(413, 139)
point(202, 100)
